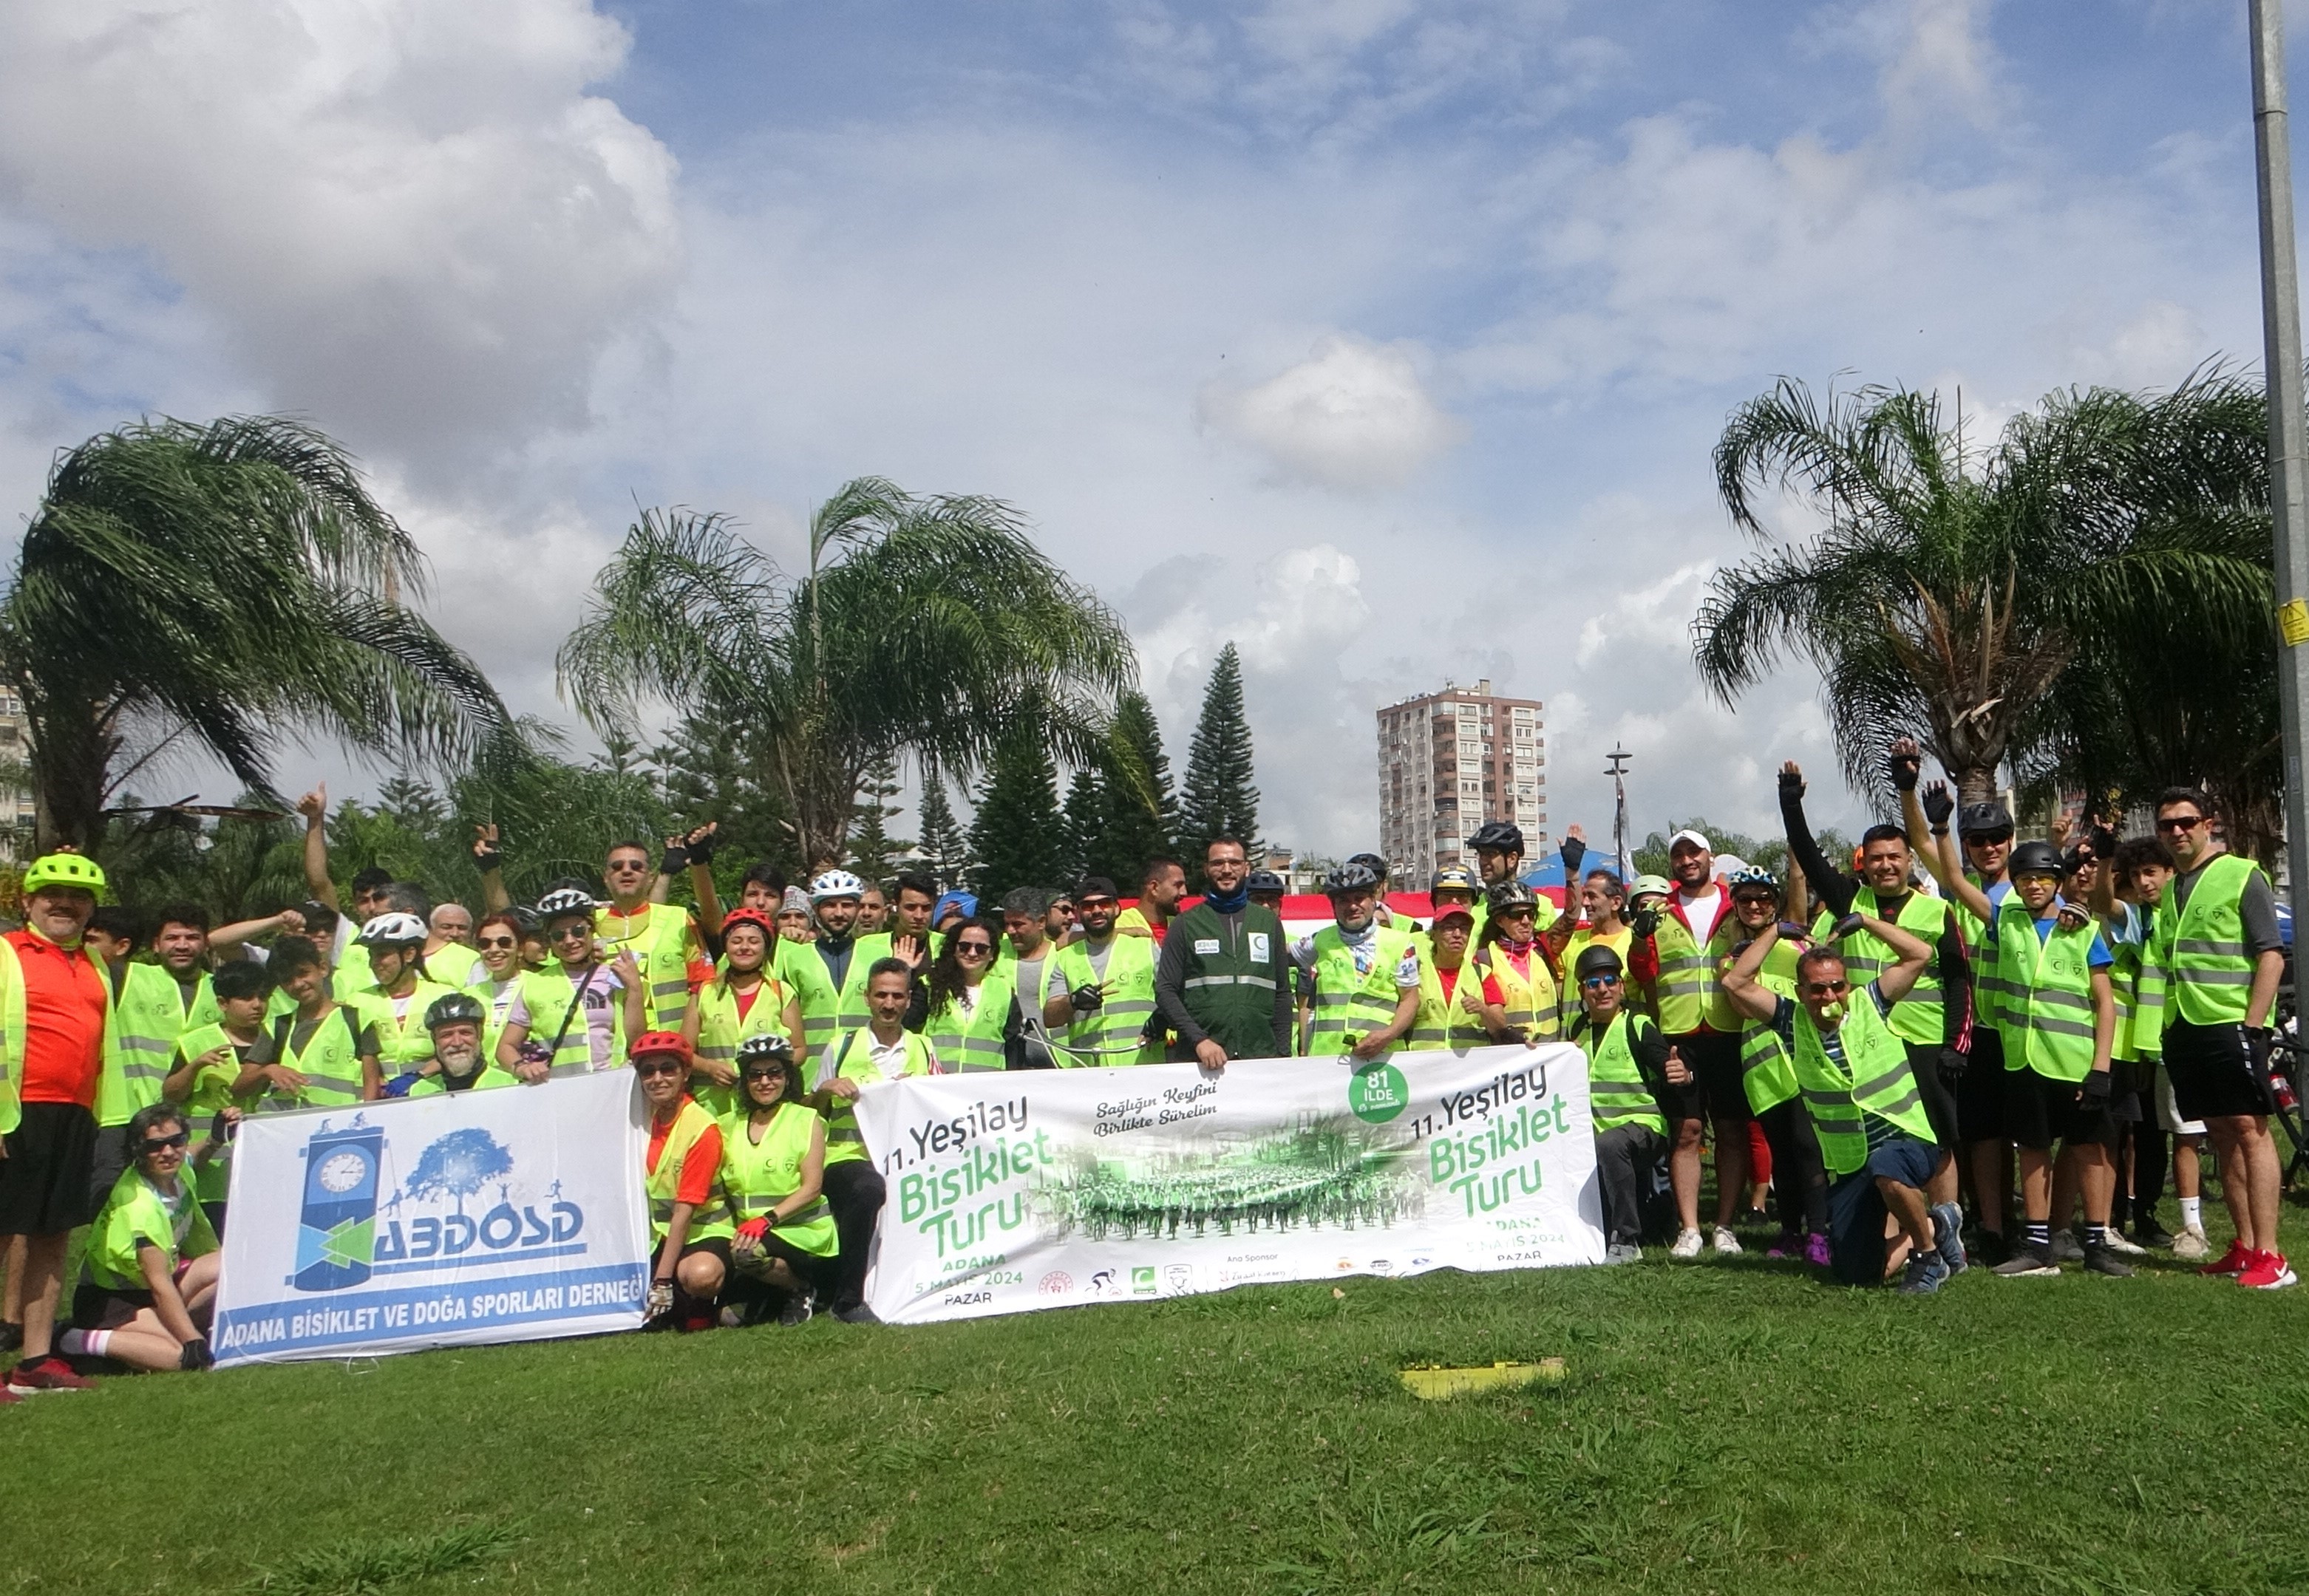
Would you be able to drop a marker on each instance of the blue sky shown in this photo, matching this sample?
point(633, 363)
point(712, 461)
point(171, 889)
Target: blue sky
point(1388, 340)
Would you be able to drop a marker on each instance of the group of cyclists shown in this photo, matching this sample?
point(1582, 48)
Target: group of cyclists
point(1876, 1048)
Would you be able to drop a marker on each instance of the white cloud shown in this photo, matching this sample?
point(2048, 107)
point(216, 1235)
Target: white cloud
point(1353, 415)
point(409, 218)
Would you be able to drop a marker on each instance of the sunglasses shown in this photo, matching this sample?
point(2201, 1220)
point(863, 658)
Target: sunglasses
point(562, 932)
point(765, 1071)
point(981, 948)
point(628, 866)
point(659, 1066)
point(1988, 839)
point(2180, 823)
point(1596, 982)
point(155, 1144)
point(490, 942)
point(1826, 989)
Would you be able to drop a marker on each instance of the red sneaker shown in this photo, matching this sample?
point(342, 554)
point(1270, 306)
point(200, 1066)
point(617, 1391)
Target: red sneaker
point(50, 1373)
point(2267, 1272)
point(7, 1396)
point(2235, 1261)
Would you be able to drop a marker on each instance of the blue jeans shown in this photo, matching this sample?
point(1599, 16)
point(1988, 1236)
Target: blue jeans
point(1856, 1211)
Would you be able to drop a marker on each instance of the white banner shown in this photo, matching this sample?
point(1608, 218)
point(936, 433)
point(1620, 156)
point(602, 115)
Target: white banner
point(487, 1216)
point(1009, 1192)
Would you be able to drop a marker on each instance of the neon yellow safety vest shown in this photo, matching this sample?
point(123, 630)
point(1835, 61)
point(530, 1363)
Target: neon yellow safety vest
point(2141, 1030)
point(1687, 976)
point(1919, 1016)
point(1617, 1094)
point(556, 1012)
point(720, 1030)
point(352, 975)
point(1110, 1034)
point(403, 1043)
point(212, 1090)
point(1720, 1013)
point(1987, 988)
point(490, 1079)
point(12, 1035)
point(456, 965)
point(1875, 1077)
point(974, 1041)
point(851, 1058)
point(2201, 949)
point(1766, 1074)
point(2047, 1013)
point(330, 1063)
point(1533, 1008)
point(1349, 1003)
point(140, 1042)
point(660, 943)
point(801, 968)
point(758, 1175)
point(708, 1219)
point(138, 1212)
point(1444, 1022)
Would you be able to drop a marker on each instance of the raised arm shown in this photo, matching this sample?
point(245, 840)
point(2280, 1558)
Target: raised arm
point(315, 807)
point(702, 841)
point(1913, 952)
point(1751, 997)
point(1943, 859)
point(1830, 885)
point(490, 863)
point(1574, 853)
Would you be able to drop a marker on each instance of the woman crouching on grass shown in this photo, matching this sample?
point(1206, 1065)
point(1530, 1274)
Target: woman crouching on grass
point(145, 1295)
point(689, 1212)
point(773, 1168)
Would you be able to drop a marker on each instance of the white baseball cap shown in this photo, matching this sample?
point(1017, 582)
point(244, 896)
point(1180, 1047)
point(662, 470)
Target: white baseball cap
point(1691, 836)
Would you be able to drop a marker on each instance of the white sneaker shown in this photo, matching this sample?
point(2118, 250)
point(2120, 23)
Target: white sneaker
point(1687, 1245)
point(2190, 1243)
point(1725, 1242)
point(2119, 1242)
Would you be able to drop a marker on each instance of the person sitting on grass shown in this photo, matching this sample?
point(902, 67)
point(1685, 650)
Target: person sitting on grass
point(209, 1061)
point(773, 1169)
point(1629, 1068)
point(151, 1267)
point(690, 1210)
point(883, 1049)
point(1874, 1137)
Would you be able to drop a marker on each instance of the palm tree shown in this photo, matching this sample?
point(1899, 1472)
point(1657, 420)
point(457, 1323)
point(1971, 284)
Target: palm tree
point(1958, 602)
point(926, 624)
point(220, 587)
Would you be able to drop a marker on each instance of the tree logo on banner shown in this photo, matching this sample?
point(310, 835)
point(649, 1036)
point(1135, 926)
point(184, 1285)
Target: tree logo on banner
point(1378, 1094)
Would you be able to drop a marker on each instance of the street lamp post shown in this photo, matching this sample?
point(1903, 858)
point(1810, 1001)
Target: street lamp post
point(1618, 772)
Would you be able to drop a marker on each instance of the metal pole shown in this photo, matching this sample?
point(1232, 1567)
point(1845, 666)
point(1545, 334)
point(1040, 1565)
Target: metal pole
point(1619, 773)
point(2288, 471)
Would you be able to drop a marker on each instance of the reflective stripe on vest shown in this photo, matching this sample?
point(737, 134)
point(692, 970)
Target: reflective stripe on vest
point(329, 1063)
point(850, 1058)
point(548, 996)
point(1766, 1074)
point(720, 1030)
point(1444, 1022)
point(1918, 1017)
point(1686, 972)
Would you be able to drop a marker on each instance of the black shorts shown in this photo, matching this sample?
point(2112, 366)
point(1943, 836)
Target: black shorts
point(94, 1307)
point(44, 1180)
point(2039, 1111)
point(2212, 1074)
point(1980, 1095)
point(1715, 1090)
point(109, 1164)
point(1939, 1100)
point(719, 1246)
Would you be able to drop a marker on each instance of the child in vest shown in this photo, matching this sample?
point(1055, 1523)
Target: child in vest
point(1629, 1067)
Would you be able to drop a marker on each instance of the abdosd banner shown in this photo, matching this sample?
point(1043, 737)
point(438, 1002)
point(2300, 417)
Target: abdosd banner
point(1009, 1192)
point(487, 1216)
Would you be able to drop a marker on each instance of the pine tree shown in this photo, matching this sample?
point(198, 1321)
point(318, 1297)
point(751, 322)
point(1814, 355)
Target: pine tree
point(945, 853)
point(1018, 834)
point(1141, 812)
point(1086, 823)
point(1219, 800)
point(874, 853)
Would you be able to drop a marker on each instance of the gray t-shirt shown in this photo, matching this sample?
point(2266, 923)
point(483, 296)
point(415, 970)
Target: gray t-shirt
point(2256, 907)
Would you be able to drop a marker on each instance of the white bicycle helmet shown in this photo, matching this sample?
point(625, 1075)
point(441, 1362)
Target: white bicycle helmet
point(564, 900)
point(394, 930)
point(836, 884)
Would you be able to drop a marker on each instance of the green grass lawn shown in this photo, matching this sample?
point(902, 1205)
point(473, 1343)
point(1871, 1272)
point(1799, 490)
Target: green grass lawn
point(1724, 1427)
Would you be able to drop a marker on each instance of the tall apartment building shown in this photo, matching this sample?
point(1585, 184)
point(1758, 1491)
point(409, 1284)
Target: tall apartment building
point(1450, 761)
